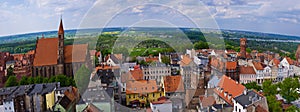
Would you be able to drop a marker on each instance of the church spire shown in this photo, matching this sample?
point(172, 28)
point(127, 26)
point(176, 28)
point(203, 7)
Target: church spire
point(61, 27)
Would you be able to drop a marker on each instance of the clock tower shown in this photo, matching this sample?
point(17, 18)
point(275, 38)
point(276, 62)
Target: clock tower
point(243, 46)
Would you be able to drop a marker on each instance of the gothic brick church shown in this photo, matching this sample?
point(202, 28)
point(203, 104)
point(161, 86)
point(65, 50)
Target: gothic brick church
point(52, 57)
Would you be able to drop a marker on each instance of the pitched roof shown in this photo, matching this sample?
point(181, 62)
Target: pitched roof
point(247, 70)
point(61, 28)
point(46, 52)
point(173, 84)
point(75, 53)
point(258, 66)
point(231, 65)
point(186, 60)
point(136, 74)
point(207, 101)
point(231, 87)
point(276, 61)
point(141, 86)
point(289, 60)
point(247, 99)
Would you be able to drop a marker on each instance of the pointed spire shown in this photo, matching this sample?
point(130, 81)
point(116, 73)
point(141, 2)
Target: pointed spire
point(61, 27)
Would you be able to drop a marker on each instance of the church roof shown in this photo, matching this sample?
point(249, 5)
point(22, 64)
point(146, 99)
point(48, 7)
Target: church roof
point(75, 53)
point(46, 52)
point(61, 28)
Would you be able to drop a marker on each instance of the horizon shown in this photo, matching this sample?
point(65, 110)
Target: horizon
point(28, 16)
point(55, 30)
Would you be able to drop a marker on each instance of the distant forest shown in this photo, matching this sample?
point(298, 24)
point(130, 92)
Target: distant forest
point(105, 42)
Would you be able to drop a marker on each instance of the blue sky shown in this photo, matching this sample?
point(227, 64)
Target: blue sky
point(272, 16)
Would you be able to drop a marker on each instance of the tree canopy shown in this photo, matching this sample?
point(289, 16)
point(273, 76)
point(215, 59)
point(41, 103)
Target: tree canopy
point(82, 77)
point(288, 89)
point(11, 81)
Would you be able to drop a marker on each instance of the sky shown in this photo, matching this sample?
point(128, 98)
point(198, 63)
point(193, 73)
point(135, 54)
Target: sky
point(270, 16)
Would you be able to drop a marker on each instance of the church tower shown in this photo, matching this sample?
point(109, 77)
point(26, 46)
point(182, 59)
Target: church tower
point(61, 33)
point(60, 60)
point(243, 47)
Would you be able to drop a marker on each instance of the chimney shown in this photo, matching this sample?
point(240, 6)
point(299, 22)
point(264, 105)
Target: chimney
point(225, 93)
point(245, 91)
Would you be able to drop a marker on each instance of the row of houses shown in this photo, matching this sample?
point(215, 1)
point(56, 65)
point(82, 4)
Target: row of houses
point(35, 97)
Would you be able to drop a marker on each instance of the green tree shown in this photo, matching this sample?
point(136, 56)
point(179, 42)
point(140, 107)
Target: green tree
point(38, 80)
point(52, 79)
point(82, 77)
point(45, 80)
point(273, 104)
point(24, 81)
point(288, 89)
point(253, 85)
point(11, 81)
point(248, 50)
point(292, 108)
point(96, 60)
point(269, 88)
point(30, 80)
point(10, 71)
point(63, 80)
point(201, 45)
point(165, 59)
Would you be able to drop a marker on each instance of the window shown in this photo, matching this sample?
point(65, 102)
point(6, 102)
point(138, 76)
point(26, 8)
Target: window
point(153, 95)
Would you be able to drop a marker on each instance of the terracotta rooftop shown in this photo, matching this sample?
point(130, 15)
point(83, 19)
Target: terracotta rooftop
point(276, 61)
point(258, 66)
point(186, 60)
point(106, 67)
point(141, 86)
point(161, 102)
point(46, 52)
point(173, 84)
point(151, 59)
point(231, 87)
point(231, 65)
point(75, 53)
point(247, 70)
point(290, 61)
point(136, 74)
point(217, 63)
point(207, 101)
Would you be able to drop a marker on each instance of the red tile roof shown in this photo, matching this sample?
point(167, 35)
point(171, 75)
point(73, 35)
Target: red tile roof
point(247, 70)
point(231, 65)
point(258, 66)
point(141, 86)
point(186, 60)
point(136, 74)
point(149, 59)
point(173, 84)
point(230, 86)
point(75, 53)
point(276, 61)
point(46, 52)
point(207, 101)
point(290, 61)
